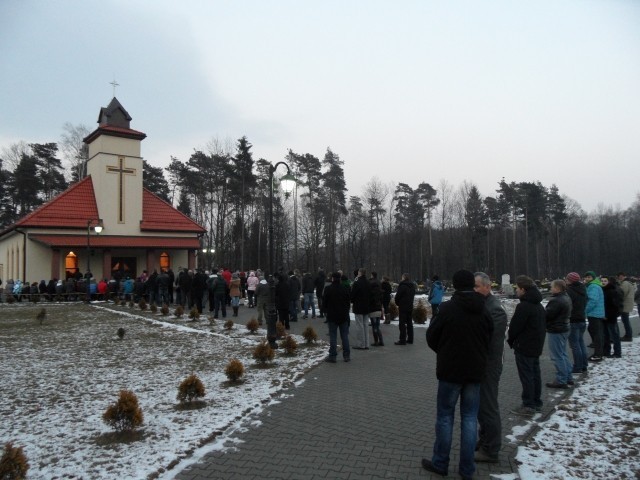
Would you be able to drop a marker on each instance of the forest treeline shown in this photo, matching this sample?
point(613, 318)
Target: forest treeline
point(432, 228)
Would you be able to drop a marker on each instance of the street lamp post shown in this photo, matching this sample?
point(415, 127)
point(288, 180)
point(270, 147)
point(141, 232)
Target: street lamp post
point(287, 181)
point(208, 263)
point(98, 229)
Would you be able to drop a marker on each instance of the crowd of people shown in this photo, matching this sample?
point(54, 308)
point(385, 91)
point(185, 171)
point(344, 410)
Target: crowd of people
point(468, 335)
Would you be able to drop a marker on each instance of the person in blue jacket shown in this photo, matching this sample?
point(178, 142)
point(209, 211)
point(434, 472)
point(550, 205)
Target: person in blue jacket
point(595, 313)
point(435, 295)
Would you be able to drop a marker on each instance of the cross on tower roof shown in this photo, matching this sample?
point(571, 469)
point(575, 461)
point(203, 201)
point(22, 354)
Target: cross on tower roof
point(115, 84)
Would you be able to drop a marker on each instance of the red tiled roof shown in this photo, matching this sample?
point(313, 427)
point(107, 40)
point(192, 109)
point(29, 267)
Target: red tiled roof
point(158, 215)
point(114, 132)
point(115, 241)
point(71, 209)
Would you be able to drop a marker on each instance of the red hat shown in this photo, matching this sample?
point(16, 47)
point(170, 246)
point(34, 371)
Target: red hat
point(573, 277)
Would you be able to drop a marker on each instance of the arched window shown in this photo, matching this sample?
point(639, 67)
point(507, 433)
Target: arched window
point(71, 264)
point(165, 261)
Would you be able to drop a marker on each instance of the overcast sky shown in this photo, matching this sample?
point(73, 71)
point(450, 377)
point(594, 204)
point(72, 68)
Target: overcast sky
point(408, 91)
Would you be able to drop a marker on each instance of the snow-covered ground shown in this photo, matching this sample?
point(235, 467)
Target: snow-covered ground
point(58, 379)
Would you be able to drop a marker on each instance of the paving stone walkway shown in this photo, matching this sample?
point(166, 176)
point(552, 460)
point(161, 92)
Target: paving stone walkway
point(372, 418)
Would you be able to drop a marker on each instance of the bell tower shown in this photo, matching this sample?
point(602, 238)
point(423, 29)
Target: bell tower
point(116, 168)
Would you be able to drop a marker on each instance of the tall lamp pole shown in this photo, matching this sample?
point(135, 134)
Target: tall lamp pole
point(98, 229)
point(288, 182)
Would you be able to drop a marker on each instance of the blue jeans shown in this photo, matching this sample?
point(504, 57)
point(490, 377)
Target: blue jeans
point(448, 394)
point(308, 299)
point(624, 316)
point(557, 343)
point(578, 348)
point(529, 373)
point(344, 338)
point(375, 328)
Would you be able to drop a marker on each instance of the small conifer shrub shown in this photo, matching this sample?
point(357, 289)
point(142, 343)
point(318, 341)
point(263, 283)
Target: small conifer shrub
point(280, 330)
point(131, 303)
point(420, 313)
point(190, 389)
point(228, 325)
point(121, 332)
point(194, 314)
point(165, 309)
point(263, 352)
point(13, 463)
point(289, 345)
point(153, 308)
point(142, 304)
point(42, 315)
point(10, 299)
point(234, 370)
point(179, 311)
point(252, 325)
point(310, 335)
point(393, 310)
point(125, 415)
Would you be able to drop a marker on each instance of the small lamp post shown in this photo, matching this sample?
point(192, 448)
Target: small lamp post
point(97, 228)
point(208, 252)
point(288, 182)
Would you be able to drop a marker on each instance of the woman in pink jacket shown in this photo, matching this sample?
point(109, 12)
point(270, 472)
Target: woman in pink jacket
point(252, 283)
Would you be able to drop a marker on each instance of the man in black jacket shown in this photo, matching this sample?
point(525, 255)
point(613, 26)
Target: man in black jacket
point(578, 294)
point(404, 300)
point(460, 336)
point(490, 434)
point(361, 298)
point(336, 301)
point(526, 337)
point(319, 282)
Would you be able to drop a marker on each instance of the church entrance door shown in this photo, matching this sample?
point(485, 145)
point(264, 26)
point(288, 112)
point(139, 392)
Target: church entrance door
point(124, 267)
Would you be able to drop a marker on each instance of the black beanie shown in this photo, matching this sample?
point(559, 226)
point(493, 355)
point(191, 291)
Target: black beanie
point(463, 280)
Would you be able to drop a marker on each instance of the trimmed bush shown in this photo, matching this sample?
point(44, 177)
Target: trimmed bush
point(394, 312)
point(142, 304)
point(310, 335)
point(11, 299)
point(124, 415)
point(190, 389)
point(228, 325)
point(41, 317)
point(165, 309)
point(234, 370)
point(420, 313)
point(252, 325)
point(121, 332)
point(13, 463)
point(153, 308)
point(289, 345)
point(131, 303)
point(179, 311)
point(194, 314)
point(263, 352)
point(280, 330)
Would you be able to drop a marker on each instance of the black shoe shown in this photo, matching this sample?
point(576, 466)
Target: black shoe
point(555, 384)
point(410, 342)
point(626, 338)
point(347, 359)
point(330, 359)
point(483, 457)
point(399, 343)
point(571, 383)
point(427, 465)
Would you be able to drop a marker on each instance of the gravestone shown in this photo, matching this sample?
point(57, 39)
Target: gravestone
point(507, 289)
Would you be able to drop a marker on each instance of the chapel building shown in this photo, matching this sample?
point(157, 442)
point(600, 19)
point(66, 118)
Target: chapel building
point(140, 231)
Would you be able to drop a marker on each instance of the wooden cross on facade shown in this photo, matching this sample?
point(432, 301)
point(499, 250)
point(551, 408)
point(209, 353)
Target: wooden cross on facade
point(121, 171)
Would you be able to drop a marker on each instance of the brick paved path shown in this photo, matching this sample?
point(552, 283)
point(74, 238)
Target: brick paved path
point(372, 418)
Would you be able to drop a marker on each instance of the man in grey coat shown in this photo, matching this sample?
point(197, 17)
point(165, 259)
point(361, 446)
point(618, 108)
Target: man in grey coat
point(490, 435)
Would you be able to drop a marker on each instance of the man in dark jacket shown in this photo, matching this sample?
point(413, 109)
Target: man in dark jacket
point(185, 279)
point(282, 299)
point(490, 434)
point(404, 300)
point(336, 301)
point(308, 287)
point(360, 298)
point(577, 322)
point(526, 337)
point(613, 301)
point(460, 336)
point(294, 296)
point(558, 312)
